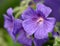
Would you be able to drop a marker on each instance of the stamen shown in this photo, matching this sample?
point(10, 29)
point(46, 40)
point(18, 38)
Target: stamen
point(40, 20)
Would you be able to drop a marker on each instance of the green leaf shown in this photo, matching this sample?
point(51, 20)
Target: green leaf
point(57, 41)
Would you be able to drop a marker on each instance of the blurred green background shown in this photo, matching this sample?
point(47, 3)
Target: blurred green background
point(5, 39)
point(4, 5)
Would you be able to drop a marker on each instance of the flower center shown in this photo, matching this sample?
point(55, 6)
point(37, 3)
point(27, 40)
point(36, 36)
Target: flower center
point(40, 20)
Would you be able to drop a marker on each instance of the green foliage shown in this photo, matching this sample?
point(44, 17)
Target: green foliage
point(4, 5)
point(57, 41)
point(6, 40)
point(19, 9)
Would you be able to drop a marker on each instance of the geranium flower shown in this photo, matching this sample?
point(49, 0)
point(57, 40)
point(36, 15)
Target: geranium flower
point(16, 31)
point(11, 24)
point(37, 21)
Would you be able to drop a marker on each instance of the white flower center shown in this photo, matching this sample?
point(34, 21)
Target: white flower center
point(40, 20)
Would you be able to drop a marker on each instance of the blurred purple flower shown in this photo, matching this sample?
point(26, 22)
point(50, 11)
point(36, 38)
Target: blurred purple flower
point(36, 21)
point(55, 5)
point(11, 24)
point(36, 1)
point(14, 27)
point(16, 31)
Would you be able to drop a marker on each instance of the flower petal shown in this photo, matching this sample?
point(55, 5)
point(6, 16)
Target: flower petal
point(27, 45)
point(17, 25)
point(22, 38)
point(29, 26)
point(44, 9)
point(40, 42)
point(36, 1)
point(10, 11)
point(12, 35)
point(8, 23)
point(28, 13)
point(44, 28)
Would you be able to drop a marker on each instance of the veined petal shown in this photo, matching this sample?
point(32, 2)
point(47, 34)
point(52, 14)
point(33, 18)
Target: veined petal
point(17, 25)
point(29, 26)
point(44, 28)
point(22, 38)
point(28, 13)
point(44, 9)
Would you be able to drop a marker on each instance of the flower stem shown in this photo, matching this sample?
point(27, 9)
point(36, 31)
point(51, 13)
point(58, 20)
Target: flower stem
point(32, 44)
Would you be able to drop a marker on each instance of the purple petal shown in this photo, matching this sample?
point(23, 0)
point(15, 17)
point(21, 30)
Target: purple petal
point(29, 26)
point(17, 25)
point(8, 23)
point(44, 9)
point(28, 13)
point(9, 20)
point(12, 35)
point(55, 33)
point(44, 28)
point(36, 1)
point(10, 11)
point(22, 38)
point(27, 45)
point(40, 42)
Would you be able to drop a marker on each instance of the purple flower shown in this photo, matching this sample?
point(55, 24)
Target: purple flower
point(9, 19)
point(14, 28)
point(16, 31)
point(36, 1)
point(11, 24)
point(37, 21)
point(27, 41)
